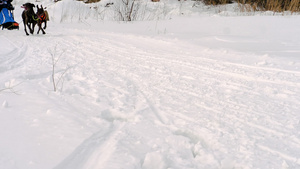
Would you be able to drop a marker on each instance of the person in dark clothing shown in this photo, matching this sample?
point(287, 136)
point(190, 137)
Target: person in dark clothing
point(6, 4)
point(6, 15)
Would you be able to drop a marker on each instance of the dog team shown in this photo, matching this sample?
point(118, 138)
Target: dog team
point(29, 16)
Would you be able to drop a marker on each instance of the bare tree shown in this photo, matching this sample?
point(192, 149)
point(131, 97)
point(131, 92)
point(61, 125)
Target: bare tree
point(55, 59)
point(127, 10)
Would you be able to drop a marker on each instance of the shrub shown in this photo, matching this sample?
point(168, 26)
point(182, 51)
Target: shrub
point(273, 5)
point(261, 5)
point(127, 10)
point(90, 1)
point(216, 2)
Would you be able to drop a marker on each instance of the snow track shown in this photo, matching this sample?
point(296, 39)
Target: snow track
point(128, 101)
point(12, 54)
point(201, 99)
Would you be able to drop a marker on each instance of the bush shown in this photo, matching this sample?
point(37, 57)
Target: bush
point(274, 5)
point(216, 2)
point(127, 10)
point(262, 5)
point(90, 1)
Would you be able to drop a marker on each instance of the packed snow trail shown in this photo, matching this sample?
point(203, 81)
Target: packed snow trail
point(132, 101)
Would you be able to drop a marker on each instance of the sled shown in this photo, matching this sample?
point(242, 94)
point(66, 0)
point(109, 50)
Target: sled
point(7, 20)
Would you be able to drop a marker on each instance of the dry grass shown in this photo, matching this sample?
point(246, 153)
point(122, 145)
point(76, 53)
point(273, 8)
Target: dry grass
point(273, 5)
point(217, 2)
point(260, 5)
point(90, 1)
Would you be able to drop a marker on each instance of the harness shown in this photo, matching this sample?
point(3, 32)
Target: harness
point(42, 17)
point(34, 18)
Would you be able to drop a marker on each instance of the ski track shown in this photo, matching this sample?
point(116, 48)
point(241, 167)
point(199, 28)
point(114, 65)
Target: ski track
point(14, 57)
point(164, 85)
point(160, 83)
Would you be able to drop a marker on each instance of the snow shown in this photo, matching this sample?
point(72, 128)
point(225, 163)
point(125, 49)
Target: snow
point(202, 89)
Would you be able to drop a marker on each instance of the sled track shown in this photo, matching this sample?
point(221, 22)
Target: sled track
point(13, 55)
point(216, 91)
point(165, 85)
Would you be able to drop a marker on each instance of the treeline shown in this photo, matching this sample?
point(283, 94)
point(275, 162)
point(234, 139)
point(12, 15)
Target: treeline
point(262, 5)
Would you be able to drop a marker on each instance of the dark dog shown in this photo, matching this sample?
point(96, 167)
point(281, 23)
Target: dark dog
point(29, 17)
point(42, 18)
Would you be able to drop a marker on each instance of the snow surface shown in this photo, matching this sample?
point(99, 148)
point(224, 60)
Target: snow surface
point(198, 90)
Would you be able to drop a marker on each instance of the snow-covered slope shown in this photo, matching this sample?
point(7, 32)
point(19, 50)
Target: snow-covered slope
point(192, 92)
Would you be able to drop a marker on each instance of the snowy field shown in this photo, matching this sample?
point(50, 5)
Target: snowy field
point(200, 90)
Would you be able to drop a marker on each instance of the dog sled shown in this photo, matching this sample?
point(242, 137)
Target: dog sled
point(6, 15)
